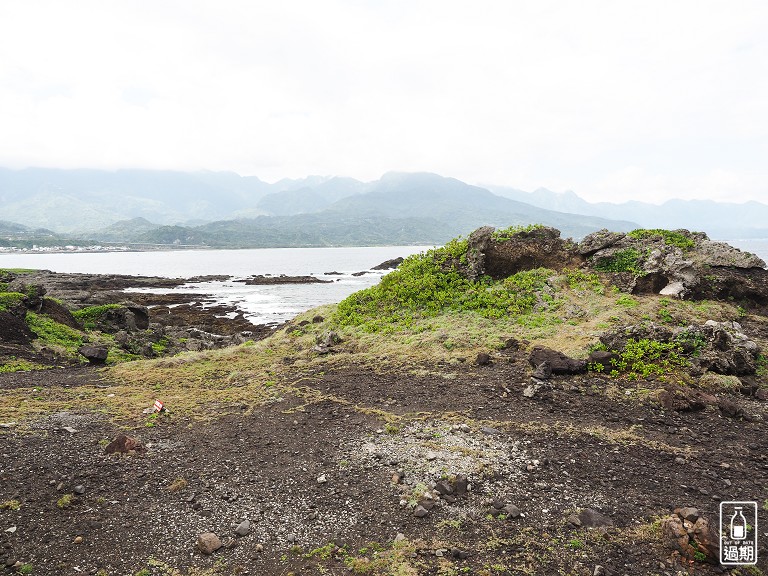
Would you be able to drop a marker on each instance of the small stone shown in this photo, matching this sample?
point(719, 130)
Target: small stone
point(208, 543)
point(530, 390)
point(259, 547)
point(511, 511)
point(420, 511)
point(460, 554)
point(680, 460)
point(11, 530)
point(70, 429)
point(688, 513)
point(488, 431)
point(396, 478)
point(542, 371)
point(599, 571)
point(483, 359)
point(79, 489)
point(78, 540)
point(444, 487)
point(460, 485)
point(400, 537)
point(431, 456)
point(244, 528)
point(322, 479)
point(292, 538)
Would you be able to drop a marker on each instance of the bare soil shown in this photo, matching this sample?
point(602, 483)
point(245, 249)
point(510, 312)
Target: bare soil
point(306, 475)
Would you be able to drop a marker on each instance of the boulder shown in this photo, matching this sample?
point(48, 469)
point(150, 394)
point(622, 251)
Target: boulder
point(94, 354)
point(558, 362)
point(599, 240)
point(33, 291)
point(208, 543)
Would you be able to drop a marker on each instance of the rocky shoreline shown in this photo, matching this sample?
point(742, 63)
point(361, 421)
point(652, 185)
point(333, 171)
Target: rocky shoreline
point(143, 324)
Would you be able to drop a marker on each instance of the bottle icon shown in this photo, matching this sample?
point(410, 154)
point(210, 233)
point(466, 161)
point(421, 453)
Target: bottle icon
point(738, 525)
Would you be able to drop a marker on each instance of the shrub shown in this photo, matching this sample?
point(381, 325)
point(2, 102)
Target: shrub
point(642, 358)
point(627, 260)
point(428, 284)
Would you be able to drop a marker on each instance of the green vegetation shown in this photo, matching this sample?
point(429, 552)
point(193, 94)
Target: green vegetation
point(429, 284)
point(642, 358)
point(51, 333)
point(89, 315)
point(507, 234)
point(11, 299)
point(26, 569)
point(18, 365)
point(178, 484)
point(10, 505)
point(580, 280)
point(65, 501)
point(626, 260)
point(670, 237)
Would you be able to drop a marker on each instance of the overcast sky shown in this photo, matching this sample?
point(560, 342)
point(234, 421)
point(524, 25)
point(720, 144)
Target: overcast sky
point(613, 99)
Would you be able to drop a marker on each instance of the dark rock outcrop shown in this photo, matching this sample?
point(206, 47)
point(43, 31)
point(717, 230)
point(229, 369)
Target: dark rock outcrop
point(389, 264)
point(679, 263)
point(59, 313)
point(558, 363)
point(266, 280)
point(498, 258)
point(14, 330)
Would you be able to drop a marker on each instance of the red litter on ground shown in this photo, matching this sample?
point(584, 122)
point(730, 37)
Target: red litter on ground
point(159, 406)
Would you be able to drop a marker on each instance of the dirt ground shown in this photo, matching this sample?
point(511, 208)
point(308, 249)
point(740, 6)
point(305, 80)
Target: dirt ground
point(306, 475)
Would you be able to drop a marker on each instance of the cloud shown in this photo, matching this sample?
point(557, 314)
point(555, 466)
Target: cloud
point(601, 97)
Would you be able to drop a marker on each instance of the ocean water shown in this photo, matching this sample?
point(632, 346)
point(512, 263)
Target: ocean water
point(260, 304)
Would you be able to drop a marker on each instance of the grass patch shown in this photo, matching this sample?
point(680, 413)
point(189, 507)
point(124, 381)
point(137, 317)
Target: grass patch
point(55, 335)
point(10, 505)
point(670, 237)
point(89, 315)
point(66, 501)
point(507, 234)
point(14, 365)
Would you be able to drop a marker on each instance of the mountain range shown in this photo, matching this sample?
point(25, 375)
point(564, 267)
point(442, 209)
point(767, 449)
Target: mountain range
point(224, 209)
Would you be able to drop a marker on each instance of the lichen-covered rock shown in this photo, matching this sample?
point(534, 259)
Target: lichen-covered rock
point(599, 240)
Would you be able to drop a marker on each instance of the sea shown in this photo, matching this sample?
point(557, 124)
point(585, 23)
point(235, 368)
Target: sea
point(266, 304)
point(260, 304)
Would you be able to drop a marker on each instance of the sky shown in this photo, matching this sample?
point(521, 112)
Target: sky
point(644, 100)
